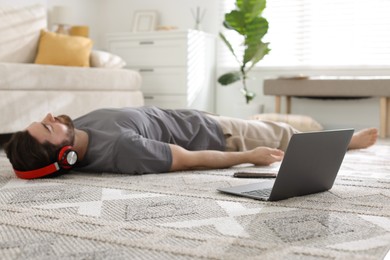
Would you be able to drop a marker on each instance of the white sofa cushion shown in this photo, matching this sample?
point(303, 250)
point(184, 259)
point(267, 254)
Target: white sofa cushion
point(19, 76)
point(20, 29)
point(103, 59)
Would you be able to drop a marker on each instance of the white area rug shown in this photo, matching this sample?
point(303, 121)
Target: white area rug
point(182, 216)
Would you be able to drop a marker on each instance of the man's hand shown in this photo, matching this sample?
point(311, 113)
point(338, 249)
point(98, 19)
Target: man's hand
point(183, 159)
point(265, 156)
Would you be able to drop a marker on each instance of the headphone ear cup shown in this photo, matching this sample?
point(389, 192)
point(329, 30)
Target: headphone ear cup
point(67, 157)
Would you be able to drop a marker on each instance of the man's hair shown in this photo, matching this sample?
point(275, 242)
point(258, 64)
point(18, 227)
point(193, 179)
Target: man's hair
point(25, 152)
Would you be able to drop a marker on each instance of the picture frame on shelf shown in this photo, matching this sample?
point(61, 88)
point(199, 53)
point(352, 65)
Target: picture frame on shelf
point(144, 21)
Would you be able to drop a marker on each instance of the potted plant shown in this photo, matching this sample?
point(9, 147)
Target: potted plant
point(246, 20)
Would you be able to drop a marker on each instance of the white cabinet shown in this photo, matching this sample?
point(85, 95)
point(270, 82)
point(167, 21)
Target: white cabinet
point(177, 67)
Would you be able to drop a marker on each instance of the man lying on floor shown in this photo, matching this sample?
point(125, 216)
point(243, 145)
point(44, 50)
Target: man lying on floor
point(150, 140)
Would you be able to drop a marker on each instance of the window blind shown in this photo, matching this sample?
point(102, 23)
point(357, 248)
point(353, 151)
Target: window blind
point(319, 33)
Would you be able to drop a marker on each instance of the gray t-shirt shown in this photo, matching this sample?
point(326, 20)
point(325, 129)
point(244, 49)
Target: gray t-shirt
point(135, 140)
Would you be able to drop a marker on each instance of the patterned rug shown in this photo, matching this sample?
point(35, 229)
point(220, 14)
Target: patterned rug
point(182, 216)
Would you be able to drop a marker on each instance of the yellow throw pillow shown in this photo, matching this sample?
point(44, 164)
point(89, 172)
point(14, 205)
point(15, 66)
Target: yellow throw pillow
point(65, 50)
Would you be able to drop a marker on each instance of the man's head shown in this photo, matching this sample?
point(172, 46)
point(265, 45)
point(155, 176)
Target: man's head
point(38, 145)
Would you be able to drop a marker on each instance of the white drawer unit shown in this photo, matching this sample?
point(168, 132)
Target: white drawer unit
point(164, 80)
point(166, 101)
point(177, 67)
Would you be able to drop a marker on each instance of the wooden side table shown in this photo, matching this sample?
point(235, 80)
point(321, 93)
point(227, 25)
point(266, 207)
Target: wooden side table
point(333, 87)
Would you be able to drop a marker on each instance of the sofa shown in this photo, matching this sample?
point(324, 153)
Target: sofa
point(33, 84)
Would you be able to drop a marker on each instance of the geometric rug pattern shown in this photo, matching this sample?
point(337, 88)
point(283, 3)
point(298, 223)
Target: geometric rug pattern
point(181, 215)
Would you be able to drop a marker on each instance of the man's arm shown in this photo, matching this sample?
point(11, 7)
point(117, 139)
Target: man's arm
point(183, 159)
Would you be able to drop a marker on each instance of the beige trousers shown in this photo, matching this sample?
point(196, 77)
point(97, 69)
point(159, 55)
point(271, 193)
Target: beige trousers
point(242, 135)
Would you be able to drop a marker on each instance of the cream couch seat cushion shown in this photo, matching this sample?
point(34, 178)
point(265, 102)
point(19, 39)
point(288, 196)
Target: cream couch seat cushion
point(14, 76)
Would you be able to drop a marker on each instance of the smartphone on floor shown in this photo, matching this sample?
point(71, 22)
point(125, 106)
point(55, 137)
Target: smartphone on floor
point(244, 174)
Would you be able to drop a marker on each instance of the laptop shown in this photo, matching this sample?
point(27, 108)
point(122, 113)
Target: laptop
point(310, 165)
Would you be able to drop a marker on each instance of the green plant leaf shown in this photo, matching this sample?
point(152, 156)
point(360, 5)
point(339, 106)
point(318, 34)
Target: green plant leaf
point(256, 31)
point(251, 8)
point(229, 78)
point(229, 46)
point(235, 20)
point(255, 53)
point(227, 25)
point(259, 55)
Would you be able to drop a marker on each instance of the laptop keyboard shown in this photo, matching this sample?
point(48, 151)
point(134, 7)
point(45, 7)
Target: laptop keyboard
point(264, 193)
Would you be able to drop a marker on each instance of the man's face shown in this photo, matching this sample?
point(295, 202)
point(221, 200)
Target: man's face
point(55, 130)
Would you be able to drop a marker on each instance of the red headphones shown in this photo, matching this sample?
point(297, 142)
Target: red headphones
point(67, 157)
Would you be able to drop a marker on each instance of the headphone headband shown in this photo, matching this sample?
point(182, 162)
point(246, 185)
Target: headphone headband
point(38, 172)
point(66, 158)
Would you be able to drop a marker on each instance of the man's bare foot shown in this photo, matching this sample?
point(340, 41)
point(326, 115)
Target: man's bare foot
point(363, 138)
